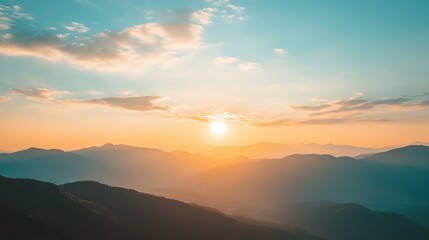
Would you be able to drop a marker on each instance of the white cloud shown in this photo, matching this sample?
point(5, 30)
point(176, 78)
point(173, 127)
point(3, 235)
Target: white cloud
point(131, 50)
point(217, 2)
point(77, 27)
point(62, 36)
point(246, 66)
point(279, 51)
point(236, 8)
point(204, 16)
point(17, 8)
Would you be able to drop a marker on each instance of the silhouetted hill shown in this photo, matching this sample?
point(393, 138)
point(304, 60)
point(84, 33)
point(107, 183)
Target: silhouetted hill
point(14, 226)
point(313, 177)
point(346, 221)
point(48, 165)
point(138, 167)
point(413, 155)
point(278, 150)
point(89, 210)
point(121, 165)
point(57, 209)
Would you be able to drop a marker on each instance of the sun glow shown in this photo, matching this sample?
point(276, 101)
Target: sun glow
point(218, 128)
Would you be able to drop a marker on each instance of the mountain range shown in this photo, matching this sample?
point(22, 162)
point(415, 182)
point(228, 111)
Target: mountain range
point(90, 210)
point(315, 192)
point(279, 150)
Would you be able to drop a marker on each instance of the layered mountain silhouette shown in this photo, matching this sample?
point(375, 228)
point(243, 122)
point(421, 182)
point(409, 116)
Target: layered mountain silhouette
point(121, 165)
point(347, 221)
point(396, 180)
point(413, 155)
point(279, 150)
point(312, 177)
point(52, 165)
point(90, 210)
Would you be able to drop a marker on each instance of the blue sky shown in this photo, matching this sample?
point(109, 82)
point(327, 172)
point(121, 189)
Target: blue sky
point(204, 58)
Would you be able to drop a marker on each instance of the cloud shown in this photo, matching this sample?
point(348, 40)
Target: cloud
point(247, 66)
point(276, 122)
point(4, 98)
point(38, 94)
point(17, 8)
point(203, 16)
point(7, 36)
point(132, 49)
point(93, 93)
point(222, 116)
point(233, 12)
point(228, 11)
point(217, 2)
point(148, 14)
point(3, 26)
point(357, 104)
point(348, 110)
point(315, 121)
point(423, 103)
point(140, 103)
point(279, 51)
point(77, 27)
point(8, 15)
point(225, 59)
point(236, 8)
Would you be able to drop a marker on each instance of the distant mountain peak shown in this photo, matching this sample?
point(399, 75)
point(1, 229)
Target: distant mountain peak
point(412, 155)
point(106, 145)
point(35, 150)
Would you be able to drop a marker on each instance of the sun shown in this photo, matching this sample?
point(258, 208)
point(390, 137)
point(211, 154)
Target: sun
point(218, 128)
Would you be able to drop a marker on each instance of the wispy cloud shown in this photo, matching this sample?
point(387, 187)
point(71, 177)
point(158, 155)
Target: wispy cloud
point(279, 51)
point(225, 59)
point(38, 94)
point(132, 49)
point(203, 16)
point(77, 27)
point(227, 10)
point(358, 105)
point(247, 66)
point(139, 103)
point(348, 110)
point(315, 121)
point(8, 15)
point(219, 116)
point(4, 98)
point(93, 93)
point(217, 2)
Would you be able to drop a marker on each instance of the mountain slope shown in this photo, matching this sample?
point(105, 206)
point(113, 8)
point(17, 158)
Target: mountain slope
point(48, 165)
point(346, 221)
point(413, 155)
point(137, 167)
point(312, 177)
point(96, 211)
point(17, 226)
point(278, 150)
point(155, 214)
point(121, 165)
point(58, 210)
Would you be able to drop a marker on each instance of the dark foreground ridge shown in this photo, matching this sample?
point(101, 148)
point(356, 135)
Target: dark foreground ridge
point(32, 209)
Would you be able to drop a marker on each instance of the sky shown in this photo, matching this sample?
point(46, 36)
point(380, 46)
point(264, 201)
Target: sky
point(196, 74)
